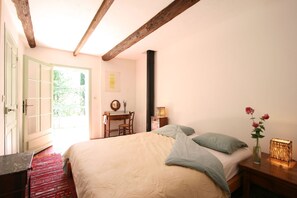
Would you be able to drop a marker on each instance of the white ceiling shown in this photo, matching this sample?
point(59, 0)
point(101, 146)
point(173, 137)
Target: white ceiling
point(60, 24)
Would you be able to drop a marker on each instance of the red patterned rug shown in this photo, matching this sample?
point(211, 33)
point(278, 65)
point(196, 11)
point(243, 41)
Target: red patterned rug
point(48, 178)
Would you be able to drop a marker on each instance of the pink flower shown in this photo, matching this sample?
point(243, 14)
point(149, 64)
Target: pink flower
point(255, 124)
point(265, 117)
point(249, 110)
point(258, 126)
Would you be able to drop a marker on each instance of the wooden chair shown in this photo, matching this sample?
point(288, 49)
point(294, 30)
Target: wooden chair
point(127, 127)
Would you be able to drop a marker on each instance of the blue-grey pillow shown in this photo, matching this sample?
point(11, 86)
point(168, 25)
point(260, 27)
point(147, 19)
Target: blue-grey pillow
point(168, 130)
point(219, 142)
point(171, 130)
point(187, 130)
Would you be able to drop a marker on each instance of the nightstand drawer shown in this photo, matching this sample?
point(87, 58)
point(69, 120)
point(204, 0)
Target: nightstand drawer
point(273, 184)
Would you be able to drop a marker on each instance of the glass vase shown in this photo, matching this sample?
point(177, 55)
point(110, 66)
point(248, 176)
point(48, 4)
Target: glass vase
point(257, 153)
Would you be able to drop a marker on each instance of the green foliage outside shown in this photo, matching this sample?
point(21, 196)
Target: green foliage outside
point(69, 94)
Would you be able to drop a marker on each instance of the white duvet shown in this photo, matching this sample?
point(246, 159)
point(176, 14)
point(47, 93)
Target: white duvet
point(133, 166)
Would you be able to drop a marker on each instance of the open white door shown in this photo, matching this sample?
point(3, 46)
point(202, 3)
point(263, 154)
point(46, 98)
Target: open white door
point(37, 105)
point(11, 139)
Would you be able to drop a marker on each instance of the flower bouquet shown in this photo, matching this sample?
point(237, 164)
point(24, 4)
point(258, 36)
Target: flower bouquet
point(257, 132)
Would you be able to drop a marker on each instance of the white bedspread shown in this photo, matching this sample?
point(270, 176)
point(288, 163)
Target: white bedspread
point(133, 166)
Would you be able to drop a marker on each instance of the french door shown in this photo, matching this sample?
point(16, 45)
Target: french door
point(37, 104)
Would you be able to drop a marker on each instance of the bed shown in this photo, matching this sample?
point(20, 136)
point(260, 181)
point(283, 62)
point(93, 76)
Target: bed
point(133, 166)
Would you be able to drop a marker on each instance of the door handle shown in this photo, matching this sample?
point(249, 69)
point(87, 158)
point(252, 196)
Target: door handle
point(25, 106)
point(7, 110)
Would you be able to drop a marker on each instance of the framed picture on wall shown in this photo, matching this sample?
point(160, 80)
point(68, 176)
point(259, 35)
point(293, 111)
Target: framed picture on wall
point(112, 81)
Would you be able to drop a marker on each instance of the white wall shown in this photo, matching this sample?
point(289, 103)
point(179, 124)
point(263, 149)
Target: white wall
point(127, 82)
point(141, 89)
point(207, 78)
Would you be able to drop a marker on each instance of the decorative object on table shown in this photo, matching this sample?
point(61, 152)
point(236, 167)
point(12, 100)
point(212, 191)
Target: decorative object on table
point(257, 133)
point(125, 104)
point(115, 105)
point(281, 149)
point(161, 112)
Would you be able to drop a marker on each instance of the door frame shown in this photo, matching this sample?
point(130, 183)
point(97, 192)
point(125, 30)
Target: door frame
point(89, 113)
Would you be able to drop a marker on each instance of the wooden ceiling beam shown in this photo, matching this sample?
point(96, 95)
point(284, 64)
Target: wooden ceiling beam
point(97, 18)
point(23, 12)
point(164, 16)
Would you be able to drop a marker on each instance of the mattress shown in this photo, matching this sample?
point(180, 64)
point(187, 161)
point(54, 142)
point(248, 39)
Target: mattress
point(230, 162)
point(133, 166)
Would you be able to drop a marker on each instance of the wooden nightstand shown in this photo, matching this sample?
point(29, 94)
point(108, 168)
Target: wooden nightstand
point(157, 122)
point(275, 178)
